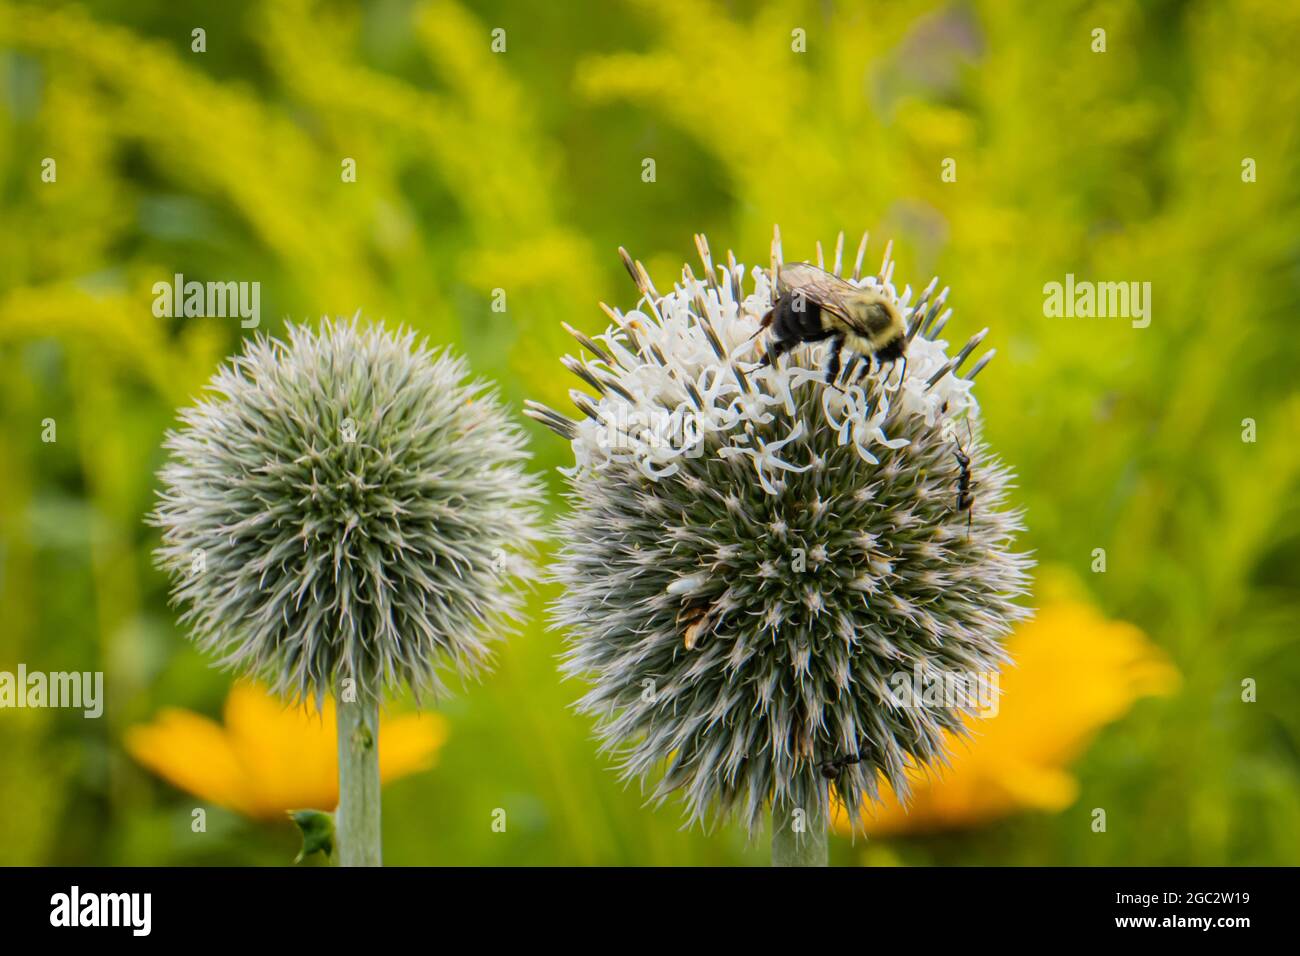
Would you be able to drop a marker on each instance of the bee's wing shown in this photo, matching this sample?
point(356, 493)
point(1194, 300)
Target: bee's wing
point(827, 290)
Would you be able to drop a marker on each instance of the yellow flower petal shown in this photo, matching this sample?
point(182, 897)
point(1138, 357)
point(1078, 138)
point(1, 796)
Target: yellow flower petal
point(269, 758)
point(194, 754)
point(1075, 671)
point(408, 744)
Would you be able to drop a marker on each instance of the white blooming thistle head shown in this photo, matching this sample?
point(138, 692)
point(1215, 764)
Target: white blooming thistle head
point(346, 506)
point(754, 559)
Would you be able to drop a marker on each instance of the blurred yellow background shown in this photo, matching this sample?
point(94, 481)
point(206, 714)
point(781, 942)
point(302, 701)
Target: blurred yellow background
point(508, 177)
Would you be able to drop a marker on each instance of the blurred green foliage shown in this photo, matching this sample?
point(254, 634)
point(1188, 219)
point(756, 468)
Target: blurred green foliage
point(522, 171)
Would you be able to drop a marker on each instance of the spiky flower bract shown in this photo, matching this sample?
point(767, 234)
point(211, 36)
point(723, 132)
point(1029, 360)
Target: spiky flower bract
point(347, 506)
point(755, 560)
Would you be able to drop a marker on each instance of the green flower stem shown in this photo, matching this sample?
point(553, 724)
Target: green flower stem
point(359, 835)
point(791, 848)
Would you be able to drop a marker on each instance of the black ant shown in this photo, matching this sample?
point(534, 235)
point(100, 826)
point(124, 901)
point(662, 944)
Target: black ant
point(831, 769)
point(965, 496)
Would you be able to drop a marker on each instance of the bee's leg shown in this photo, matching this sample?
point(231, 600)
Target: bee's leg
point(777, 349)
point(833, 363)
point(902, 375)
point(781, 304)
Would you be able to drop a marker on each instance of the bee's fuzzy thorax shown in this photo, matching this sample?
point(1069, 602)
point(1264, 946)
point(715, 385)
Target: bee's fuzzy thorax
point(752, 553)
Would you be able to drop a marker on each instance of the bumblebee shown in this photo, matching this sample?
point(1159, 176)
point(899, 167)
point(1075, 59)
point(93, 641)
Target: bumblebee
point(814, 305)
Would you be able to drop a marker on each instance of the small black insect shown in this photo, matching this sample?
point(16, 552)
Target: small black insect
point(831, 769)
point(965, 496)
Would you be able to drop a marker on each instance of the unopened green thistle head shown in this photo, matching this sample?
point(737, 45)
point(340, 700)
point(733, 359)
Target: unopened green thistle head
point(346, 505)
point(759, 568)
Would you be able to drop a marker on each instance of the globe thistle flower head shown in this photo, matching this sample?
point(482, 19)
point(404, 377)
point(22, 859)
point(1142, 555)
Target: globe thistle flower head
point(346, 505)
point(754, 558)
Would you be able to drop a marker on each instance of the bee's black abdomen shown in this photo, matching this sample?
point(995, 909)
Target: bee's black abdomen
point(798, 319)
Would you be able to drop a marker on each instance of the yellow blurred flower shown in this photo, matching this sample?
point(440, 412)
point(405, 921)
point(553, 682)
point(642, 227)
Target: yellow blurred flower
point(1075, 671)
point(269, 758)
